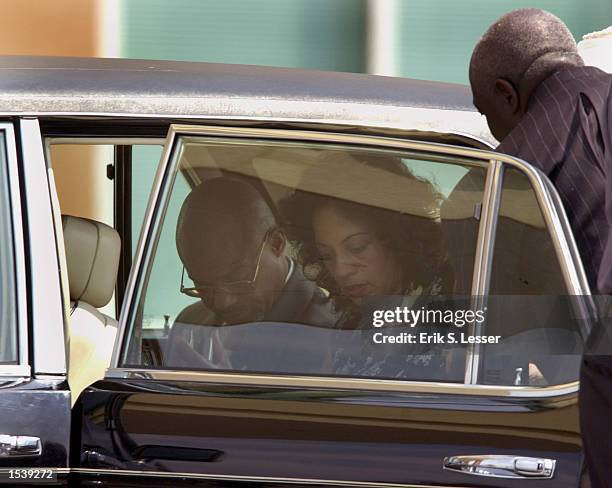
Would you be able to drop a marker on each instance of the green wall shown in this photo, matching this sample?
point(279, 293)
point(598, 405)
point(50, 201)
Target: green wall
point(319, 34)
point(434, 41)
point(436, 37)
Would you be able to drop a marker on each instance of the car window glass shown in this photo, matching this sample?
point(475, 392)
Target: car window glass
point(270, 256)
point(85, 166)
point(8, 336)
point(163, 301)
point(528, 305)
point(145, 160)
point(83, 188)
point(444, 177)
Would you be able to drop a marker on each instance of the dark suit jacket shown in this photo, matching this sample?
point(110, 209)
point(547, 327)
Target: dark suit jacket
point(567, 133)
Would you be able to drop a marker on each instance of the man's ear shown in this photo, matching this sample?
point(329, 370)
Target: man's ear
point(506, 90)
point(277, 241)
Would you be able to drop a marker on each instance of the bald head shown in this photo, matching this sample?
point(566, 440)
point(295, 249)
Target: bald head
point(221, 220)
point(521, 48)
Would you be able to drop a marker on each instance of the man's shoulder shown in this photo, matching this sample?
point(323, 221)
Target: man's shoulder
point(196, 313)
point(570, 72)
point(570, 82)
point(543, 132)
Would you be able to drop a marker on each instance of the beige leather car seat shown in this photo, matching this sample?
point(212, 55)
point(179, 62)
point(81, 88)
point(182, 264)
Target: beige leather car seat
point(92, 257)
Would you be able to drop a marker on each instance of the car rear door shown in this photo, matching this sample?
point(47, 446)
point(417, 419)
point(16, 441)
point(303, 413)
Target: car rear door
point(303, 404)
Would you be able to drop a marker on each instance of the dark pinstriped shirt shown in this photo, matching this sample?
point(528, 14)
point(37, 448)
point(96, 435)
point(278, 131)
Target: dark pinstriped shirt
point(566, 133)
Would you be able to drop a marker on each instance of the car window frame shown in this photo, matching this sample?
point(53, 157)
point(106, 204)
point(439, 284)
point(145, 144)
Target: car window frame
point(548, 199)
point(45, 284)
point(22, 369)
point(559, 230)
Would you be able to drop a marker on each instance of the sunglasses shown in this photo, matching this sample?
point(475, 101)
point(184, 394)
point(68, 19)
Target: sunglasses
point(206, 291)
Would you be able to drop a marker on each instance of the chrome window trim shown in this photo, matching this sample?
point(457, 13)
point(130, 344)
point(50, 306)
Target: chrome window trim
point(45, 287)
point(140, 249)
point(258, 479)
point(544, 198)
point(483, 261)
point(22, 369)
point(487, 228)
point(359, 384)
point(325, 137)
point(105, 141)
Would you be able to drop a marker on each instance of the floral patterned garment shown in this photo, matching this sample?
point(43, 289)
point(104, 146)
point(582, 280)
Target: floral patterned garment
point(356, 353)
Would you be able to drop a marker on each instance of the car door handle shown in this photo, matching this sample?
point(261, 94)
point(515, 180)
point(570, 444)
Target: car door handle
point(502, 466)
point(172, 453)
point(19, 446)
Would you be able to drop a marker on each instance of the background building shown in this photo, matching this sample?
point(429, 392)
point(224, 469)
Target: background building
point(426, 39)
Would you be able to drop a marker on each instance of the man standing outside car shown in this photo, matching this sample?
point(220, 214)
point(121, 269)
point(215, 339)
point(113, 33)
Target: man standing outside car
point(547, 108)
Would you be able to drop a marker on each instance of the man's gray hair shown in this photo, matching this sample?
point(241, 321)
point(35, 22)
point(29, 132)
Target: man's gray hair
point(524, 46)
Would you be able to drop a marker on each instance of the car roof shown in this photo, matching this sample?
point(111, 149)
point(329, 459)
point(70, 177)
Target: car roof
point(179, 89)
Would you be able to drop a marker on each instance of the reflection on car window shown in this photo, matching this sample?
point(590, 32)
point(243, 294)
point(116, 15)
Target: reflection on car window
point(541, 343)
point(8, 336)
point(267, 254)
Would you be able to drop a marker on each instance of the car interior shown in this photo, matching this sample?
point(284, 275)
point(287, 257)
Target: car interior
point(95, 236)
point(92, 258)
point(275, 172)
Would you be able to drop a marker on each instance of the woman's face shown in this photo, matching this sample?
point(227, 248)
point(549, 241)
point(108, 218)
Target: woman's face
point(355, 258)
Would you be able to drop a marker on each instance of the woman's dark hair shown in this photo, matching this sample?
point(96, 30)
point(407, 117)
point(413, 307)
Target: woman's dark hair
point(415, 240)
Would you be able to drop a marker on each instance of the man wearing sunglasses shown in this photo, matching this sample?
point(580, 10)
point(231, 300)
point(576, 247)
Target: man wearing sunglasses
point(235, 261)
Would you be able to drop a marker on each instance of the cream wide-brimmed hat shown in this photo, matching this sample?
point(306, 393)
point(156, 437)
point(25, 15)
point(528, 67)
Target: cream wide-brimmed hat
point(596, 49)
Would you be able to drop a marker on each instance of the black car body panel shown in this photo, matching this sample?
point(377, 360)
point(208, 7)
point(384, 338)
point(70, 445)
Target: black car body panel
point(37, 408)
point(263, 434)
